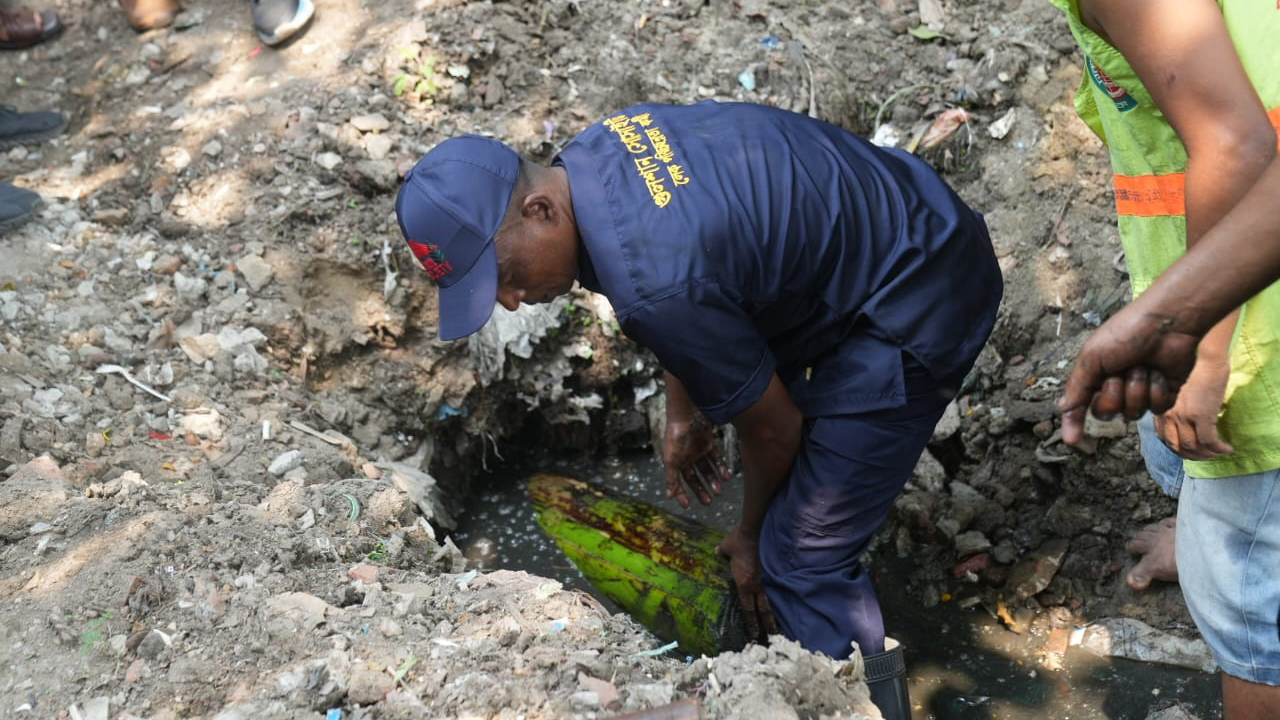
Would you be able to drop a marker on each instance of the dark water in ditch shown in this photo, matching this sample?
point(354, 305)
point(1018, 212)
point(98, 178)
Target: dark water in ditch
point(962, 664)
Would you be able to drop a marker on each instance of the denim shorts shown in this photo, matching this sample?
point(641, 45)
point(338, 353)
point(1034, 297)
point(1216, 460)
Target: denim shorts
point(1228, 560)
point(1165, 467)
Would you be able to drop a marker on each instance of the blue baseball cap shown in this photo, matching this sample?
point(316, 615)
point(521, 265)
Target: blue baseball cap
point(449, 208)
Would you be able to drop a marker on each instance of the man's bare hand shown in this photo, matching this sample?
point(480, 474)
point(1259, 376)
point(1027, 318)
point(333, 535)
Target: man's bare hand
point(743, 550)
point(1190, 427)
point(1132, 364)
point(691, 458)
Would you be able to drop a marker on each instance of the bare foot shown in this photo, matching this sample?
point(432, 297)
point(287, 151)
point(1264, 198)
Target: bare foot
point(1155, 544)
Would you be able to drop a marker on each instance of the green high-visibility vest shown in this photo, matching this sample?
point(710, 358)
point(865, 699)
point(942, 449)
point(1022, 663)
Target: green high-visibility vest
point(1149, 163)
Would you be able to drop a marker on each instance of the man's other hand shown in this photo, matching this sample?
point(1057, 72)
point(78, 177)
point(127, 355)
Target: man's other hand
point(1190, 427)
point(691, 458)
point(743, 550)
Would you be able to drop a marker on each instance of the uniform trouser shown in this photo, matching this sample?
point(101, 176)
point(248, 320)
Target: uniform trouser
point(846, 476)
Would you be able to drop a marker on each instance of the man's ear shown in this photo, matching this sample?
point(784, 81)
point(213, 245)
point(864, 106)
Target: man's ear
point(537, 205)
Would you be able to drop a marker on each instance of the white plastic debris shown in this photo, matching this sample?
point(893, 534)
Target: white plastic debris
point(106, 369)
point(1135, 640)
point(886, 136)
point(421, 488)
point(510, 332)
point(1001, 127)
point(285, 462)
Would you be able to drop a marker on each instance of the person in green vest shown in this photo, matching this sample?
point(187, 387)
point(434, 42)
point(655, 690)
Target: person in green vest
point(1150, 345)
point(1186, 95)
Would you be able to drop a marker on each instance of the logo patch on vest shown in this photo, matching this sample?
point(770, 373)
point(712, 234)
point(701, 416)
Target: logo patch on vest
point(432, 259)
point(1121, 97)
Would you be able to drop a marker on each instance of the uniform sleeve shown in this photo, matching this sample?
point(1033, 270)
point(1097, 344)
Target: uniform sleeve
point(706, 340)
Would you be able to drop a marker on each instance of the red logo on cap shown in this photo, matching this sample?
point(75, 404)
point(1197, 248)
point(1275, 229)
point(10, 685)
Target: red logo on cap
point(432, 259)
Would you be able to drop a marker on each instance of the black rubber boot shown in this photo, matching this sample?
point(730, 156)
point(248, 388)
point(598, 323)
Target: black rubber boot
point(17, 206)
point(28, 128)
point(886, 675)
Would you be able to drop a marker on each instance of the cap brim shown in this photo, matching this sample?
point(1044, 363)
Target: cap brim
point(465, 306)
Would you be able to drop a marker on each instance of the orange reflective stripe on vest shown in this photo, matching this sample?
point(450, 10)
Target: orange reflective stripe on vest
point(1152, 195)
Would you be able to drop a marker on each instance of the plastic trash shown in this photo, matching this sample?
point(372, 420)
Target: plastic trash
point(1135, 640)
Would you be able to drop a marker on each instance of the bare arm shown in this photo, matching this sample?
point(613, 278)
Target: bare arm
point(770, 434)
point(1235, 260)
point(1184, 56)
point(1159, 331)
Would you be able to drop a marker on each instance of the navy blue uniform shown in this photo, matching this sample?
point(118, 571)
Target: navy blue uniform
point(736, 241)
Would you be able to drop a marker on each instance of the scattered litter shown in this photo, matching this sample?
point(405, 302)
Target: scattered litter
point(747, 79)
point(355, 507)
point(1000, 128)
point(769, 42)
point(1135, 640)
point(1033, 575)
point(931, 13)
point(657, 651)
point(284, 462)
point(886, 135)
point(446, 411)
point(108, 369)
point(464, 580)
point(944, 126)
point(390, 275)
point(421, 488)
point(606, 692)
point(333, 437)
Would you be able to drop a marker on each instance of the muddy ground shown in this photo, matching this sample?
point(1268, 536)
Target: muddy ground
point(263, 530)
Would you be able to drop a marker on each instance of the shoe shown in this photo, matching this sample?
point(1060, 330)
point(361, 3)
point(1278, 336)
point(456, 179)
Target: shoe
point(24, 29)
point(279, 20)
point(16, 206)
point(886, 675)
point(26, 128)
point(144, 15)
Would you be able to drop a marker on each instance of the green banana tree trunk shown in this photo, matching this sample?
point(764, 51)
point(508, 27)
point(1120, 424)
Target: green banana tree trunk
point(660, 568)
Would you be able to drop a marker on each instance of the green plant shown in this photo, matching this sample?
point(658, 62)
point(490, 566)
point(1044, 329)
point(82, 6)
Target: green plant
point(415, 75)
point(92, 634)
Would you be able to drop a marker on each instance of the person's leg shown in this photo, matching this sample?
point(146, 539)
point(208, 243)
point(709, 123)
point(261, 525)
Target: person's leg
point(1243, 700)
point(1228, 556)
point(846, 476)
point(1156, 543)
